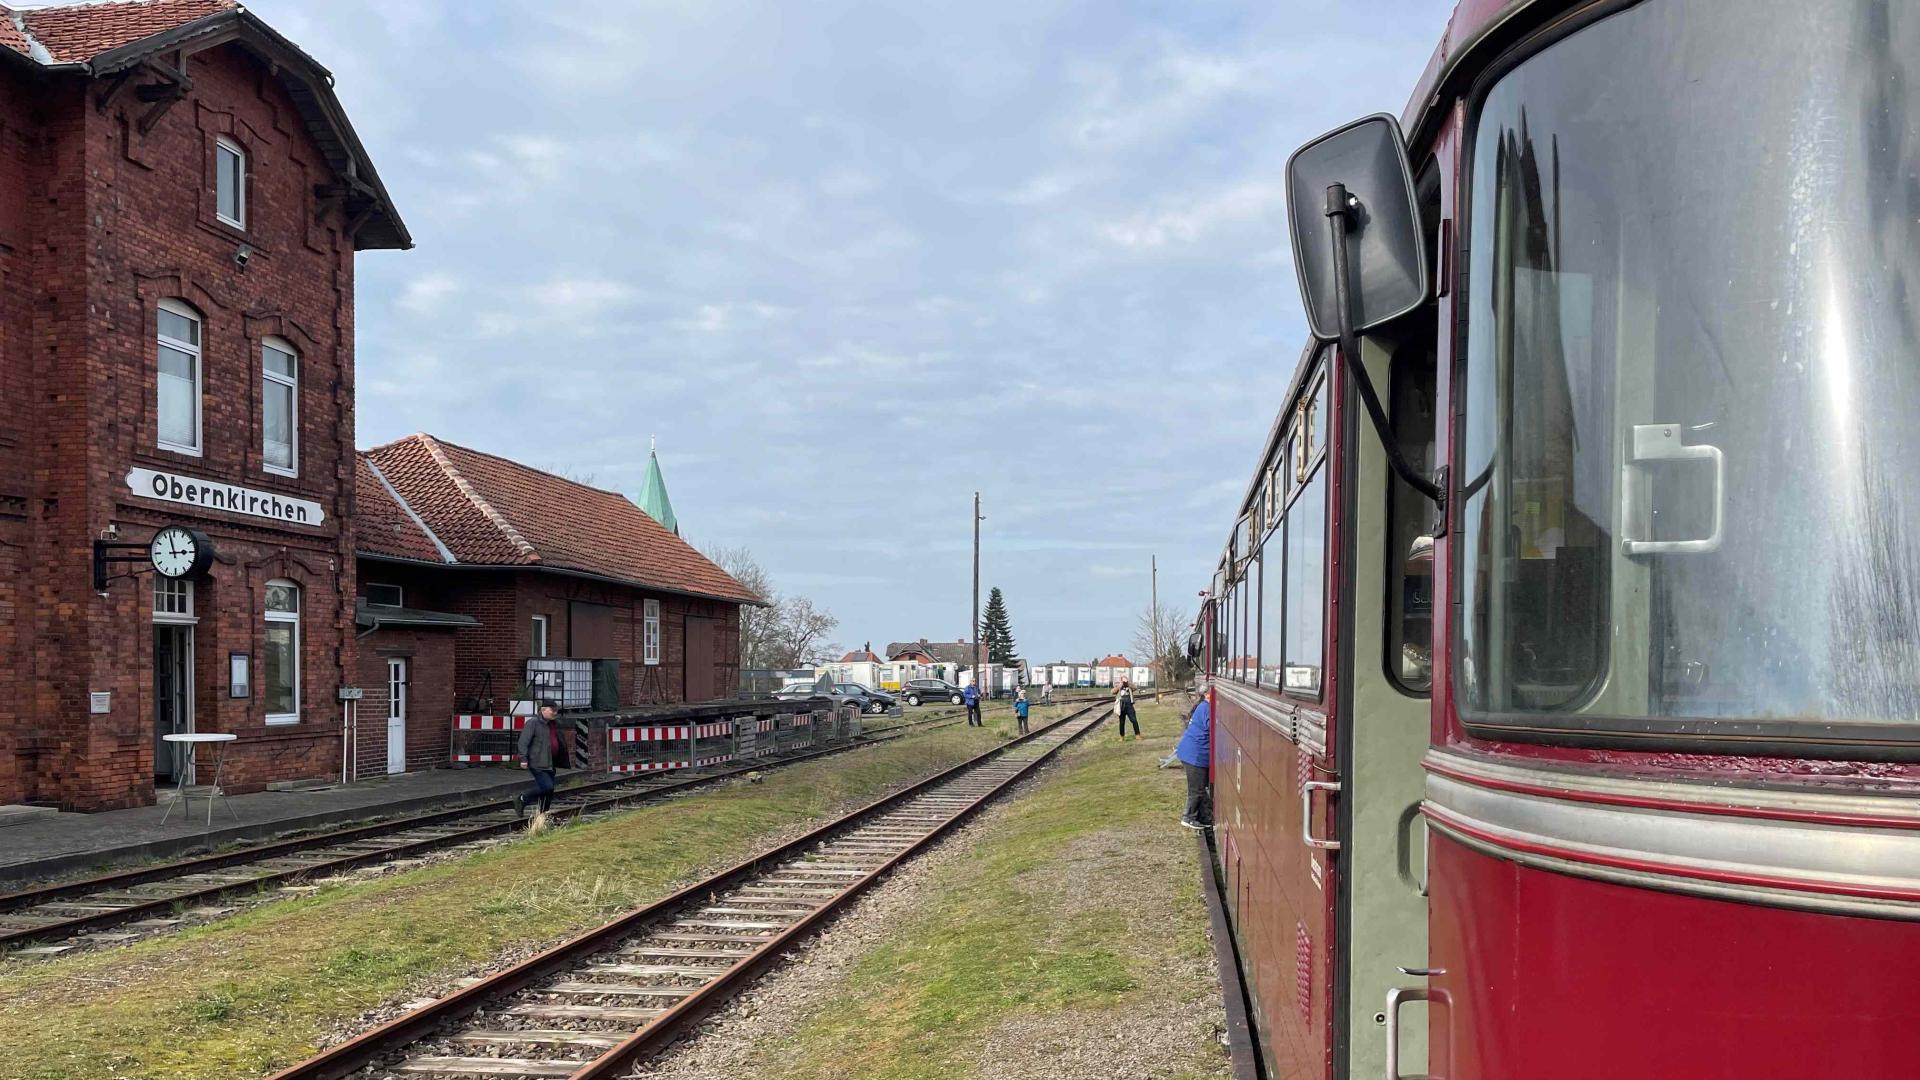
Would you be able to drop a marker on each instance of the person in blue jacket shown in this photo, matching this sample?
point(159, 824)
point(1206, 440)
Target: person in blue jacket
point(1020, 709)
point(1195, 752)
point(972, 698)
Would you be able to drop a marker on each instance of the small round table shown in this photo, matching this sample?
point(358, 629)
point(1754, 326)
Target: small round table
point(192, 741)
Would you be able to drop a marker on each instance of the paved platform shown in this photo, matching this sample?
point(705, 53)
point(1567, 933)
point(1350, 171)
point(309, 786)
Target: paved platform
point(46, 845)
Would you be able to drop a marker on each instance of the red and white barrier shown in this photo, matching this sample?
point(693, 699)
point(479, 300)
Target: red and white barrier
point(469, 722)
point(669, 732)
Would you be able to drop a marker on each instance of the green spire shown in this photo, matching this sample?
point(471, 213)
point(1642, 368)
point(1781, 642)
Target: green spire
point(653, 493)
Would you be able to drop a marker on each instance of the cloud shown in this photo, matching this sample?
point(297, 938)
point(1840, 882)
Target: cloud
point(427, 294)
point(852, 262)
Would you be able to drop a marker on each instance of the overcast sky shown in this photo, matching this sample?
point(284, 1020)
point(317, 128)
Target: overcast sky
point(852, 262)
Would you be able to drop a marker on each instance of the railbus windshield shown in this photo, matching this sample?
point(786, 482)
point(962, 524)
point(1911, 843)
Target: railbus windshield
point(1692, 410)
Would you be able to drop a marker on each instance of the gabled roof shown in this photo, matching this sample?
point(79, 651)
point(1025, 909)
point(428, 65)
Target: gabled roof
point(861, 656)
point(1115, 661)
point(383, 525)
point(944, 652)
point(486, 510)
point(103, 39)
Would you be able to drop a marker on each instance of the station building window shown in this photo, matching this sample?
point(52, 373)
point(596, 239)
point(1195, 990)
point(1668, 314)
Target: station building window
point(178, 363)
point(537, 638)
point(650, 631)
point(280, 669)
point(383, 595)
point(230, 182)
point(172, 599)
point(279, 407)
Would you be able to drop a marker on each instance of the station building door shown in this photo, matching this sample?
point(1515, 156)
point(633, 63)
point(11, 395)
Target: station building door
point(173, 622)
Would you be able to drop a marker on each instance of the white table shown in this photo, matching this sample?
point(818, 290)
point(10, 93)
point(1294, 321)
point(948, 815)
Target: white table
point(192, 741)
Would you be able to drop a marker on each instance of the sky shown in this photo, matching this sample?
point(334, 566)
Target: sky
point(852, 262)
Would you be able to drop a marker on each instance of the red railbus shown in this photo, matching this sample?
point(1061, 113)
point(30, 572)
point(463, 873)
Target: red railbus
point(1565, 653)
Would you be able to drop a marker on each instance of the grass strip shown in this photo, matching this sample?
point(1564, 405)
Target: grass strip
point(246, 995)
point(1071, 925)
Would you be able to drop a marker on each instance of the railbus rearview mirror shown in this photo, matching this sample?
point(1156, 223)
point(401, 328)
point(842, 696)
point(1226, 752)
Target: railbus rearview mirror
point(1387, 273)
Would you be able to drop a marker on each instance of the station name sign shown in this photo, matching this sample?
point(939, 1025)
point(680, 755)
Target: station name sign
point(232, 498)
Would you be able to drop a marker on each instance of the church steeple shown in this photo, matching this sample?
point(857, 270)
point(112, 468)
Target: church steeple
point(653, 493)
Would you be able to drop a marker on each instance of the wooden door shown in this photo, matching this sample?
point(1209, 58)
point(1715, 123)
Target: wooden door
point(702, 654)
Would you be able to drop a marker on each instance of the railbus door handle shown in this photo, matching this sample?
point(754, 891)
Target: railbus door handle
point(1661, 442)
point(1306, 814)
point(1397, 997)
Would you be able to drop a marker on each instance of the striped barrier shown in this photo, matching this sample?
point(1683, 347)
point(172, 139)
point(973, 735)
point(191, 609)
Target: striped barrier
point(491, 740)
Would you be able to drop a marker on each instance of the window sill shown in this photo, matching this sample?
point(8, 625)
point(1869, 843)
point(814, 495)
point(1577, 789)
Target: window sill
point(238, 226)
point(271, 470)
point(183, 451)
point(282, 719)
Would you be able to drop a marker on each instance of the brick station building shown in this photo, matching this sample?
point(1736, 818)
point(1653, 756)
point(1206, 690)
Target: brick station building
point(181, 202)
point(472, 564)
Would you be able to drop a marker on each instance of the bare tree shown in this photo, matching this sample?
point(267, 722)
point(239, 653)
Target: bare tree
point(801, 638)
point(758, 625)
point(1169, 662)
point(790, 632)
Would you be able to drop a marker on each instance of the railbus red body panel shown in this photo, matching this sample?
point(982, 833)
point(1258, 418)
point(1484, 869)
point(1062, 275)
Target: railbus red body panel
point(1671, 802)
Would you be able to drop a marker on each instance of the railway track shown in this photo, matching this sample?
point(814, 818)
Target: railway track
point(161, 897)
point(596, 1005)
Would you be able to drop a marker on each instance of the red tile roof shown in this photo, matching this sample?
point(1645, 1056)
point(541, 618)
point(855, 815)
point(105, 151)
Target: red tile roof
point(381, 526)
point(860, 656)
point(491, 511)
point(1115, 661)
point(76, 33)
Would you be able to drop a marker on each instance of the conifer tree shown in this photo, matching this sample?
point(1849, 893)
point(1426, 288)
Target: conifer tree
point(996, 631)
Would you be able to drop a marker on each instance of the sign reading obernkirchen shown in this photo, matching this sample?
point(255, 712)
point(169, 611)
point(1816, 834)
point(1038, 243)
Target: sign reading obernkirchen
point(234, 499)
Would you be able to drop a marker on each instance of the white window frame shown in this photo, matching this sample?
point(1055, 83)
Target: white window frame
point(185, 311)
point(239, 196)
point(650, 632)
point(398, 591)
point(173, 601)
point(293, 617)
point(541, 644)
point(292, 383)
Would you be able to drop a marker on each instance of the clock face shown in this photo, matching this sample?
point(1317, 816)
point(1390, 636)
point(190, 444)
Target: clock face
point(173, 551)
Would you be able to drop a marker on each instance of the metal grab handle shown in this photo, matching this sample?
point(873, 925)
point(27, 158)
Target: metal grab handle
point(1306, 814)
point(1396, 997)
point(1661, 442)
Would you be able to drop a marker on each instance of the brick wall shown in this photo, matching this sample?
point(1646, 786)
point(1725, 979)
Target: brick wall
point(430, 700)
point(98, 223)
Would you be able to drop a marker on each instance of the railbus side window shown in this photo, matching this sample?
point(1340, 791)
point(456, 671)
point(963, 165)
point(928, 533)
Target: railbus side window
point(1411, 518)
point(1273, 618)
point(1306, 528)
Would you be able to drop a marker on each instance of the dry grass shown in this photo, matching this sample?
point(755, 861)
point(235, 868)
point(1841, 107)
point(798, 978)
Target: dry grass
point(247, 995)
point(1070, 941)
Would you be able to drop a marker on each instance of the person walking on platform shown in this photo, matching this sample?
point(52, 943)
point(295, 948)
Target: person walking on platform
point(1020, 708)
point(543, 750)
point(1123, 708)
point(972, 698)
point(1196, 753)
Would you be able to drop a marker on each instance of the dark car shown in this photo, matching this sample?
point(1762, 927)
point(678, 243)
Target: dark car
point(916, 691)
point(843, 695)
point(878, 701)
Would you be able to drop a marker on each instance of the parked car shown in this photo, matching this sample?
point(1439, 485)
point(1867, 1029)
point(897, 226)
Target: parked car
point(835, 692)
point(916, 691)
point(878, 701)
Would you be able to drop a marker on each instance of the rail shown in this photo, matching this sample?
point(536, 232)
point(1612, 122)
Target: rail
point(689, 951)
point(60, 911)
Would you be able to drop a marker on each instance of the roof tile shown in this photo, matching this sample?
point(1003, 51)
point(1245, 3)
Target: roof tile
point(76, 33)
point(381, 526)
point(491, 511)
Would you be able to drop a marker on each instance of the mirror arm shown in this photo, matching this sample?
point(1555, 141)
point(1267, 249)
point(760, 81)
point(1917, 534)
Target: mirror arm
point(1340, 207)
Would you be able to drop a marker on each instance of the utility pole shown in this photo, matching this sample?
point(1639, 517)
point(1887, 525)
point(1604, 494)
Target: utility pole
point(977, 677)
point(1159, 671)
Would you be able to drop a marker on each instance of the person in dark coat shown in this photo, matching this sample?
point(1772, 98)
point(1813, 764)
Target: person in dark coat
point(543, 752)
point(1123, 708)
point(1196, 754)
point(972, 698)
